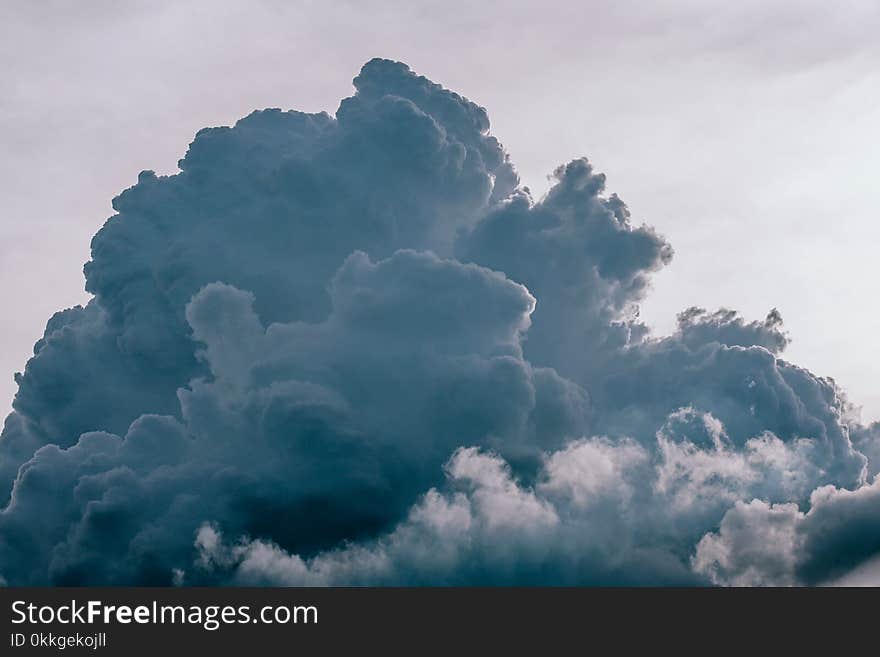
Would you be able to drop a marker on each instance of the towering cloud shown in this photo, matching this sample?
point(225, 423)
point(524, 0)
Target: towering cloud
point(353, 349)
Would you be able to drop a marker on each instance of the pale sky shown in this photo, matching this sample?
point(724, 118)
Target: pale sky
point(745, 132)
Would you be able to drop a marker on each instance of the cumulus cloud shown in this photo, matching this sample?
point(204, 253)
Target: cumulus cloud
point(761, 543)
point(353, 349)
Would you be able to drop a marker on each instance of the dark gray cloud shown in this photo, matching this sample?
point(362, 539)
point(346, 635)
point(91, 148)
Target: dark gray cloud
point(352, 349)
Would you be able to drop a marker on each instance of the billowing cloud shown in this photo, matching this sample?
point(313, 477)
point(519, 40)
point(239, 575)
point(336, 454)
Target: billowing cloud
point(761, 543)
point(352, 349)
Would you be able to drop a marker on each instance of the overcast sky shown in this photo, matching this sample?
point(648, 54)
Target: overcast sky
point(746, 132)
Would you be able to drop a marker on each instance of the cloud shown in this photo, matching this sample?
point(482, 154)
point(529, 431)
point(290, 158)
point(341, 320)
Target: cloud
point(867, 440)
point(760, 543)
point(352, 349)
point(488, 530)
point(757, 544)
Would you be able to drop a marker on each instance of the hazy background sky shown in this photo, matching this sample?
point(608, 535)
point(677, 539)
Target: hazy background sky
point(746, 132)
